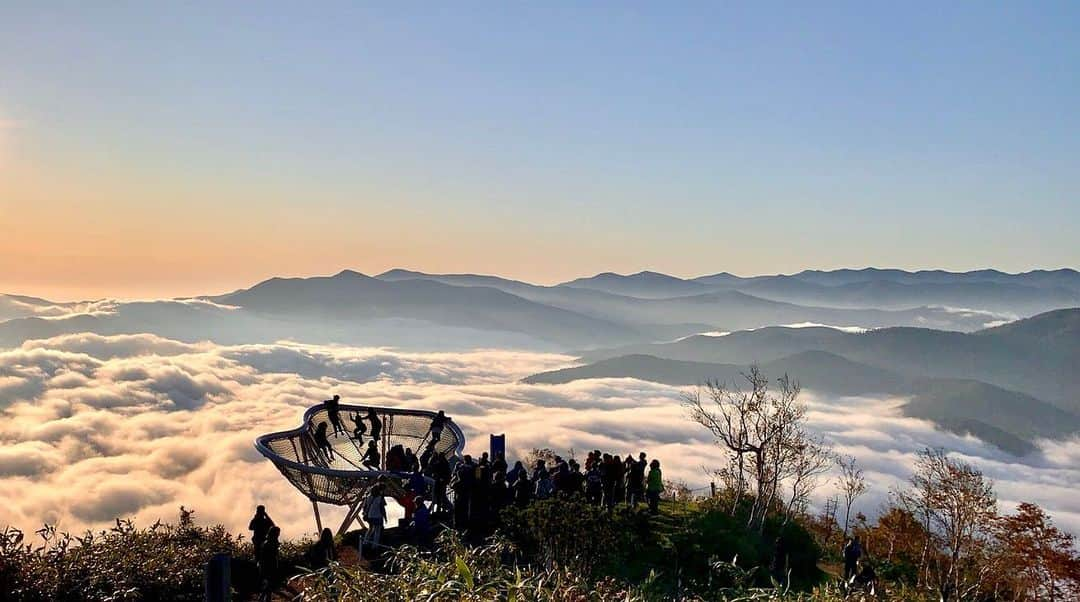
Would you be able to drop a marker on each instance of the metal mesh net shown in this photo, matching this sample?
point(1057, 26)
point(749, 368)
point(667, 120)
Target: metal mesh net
point(341, 477)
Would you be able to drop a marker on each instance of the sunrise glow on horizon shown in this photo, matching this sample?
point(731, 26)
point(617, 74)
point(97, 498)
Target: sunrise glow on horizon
point(188, 150)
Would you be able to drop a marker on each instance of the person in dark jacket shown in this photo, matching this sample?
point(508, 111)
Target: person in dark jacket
point(654, 486)
point(635, 481)
point(260, 527)
point(333, 412)
point(322, 553)
point(359, 428)
point(438, 423)
point(852, 553)
point(371, 459)
point(376, 424)
point(323, 442)
point(268, 562)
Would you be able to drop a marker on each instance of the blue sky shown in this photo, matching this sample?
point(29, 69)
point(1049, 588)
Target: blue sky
point(179, 149)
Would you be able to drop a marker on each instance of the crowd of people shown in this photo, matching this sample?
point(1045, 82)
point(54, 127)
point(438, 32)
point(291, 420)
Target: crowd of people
point(481, 487)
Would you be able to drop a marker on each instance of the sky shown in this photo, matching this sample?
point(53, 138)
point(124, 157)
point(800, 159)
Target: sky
point(153, 150)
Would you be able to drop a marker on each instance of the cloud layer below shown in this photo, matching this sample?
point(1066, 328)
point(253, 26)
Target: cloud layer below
point(97, 427)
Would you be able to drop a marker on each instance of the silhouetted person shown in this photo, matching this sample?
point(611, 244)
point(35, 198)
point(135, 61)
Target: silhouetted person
point(463, 485)
point(375, 517)
point(607, 477)
point(619, 479)
point(480, 501)
point(323, 442)
point(395, 458)
point(515, 472)
point(778, 566)
point(371, 458)
point(376, 424)
point(322, 553)
point(654, 486)
point(425, 458)
point(268, 562)
point(412, 464)
point(421, 522)
point(523, 490)
point(359, 428)
point(439, 471)
point(333, 412)
point(541, 479)
point(852, 553)
point(635, 481)
point(576, 485)
point(499, 463)
point(438, 423)
point(594, 485)
point(260, 527)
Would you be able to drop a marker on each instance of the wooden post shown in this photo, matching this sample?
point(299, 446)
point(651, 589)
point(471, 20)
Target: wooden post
point(318, 519)
point(712, 488)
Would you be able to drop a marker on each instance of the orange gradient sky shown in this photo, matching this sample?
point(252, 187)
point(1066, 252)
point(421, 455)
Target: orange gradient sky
point(177, 150)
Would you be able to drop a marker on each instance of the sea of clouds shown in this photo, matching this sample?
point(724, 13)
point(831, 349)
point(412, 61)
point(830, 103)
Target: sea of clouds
point(98, 427)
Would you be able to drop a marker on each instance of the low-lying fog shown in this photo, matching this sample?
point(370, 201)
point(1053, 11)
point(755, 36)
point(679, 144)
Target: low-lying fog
point(96, 427)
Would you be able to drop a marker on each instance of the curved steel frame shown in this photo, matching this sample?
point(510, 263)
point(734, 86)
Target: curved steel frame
point(339, 486)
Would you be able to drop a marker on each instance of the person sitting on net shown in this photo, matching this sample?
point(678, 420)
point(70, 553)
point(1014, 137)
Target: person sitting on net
point(333, 412)
point(323, 442)
point(371, 459)
point(359, 427)
point(438, 423)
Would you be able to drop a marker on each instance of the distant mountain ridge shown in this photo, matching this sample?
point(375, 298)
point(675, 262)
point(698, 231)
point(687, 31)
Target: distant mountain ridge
point(1009, 385)
point(949, 343)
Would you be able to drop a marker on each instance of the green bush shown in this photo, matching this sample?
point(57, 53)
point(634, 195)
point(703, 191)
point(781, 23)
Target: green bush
point(161, 562)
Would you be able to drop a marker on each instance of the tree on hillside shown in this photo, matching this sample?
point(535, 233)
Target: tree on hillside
point(763, 431)
point(1038, 559)
point(958, 507)
point(852, 485)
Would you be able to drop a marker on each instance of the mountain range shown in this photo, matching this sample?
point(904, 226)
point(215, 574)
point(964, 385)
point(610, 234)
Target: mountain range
point(414, 309)
point(986, 353)
point(1009, 384)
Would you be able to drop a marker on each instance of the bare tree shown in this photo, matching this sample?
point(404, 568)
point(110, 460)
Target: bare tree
point(852, 485)
point(811, 460)
point(762, 429)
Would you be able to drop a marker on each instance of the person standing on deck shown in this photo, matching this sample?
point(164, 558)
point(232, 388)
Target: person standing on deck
point(333, 412)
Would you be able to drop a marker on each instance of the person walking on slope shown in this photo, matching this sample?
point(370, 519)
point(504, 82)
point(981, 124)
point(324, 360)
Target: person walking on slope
point(655, 486)
point(852, 553)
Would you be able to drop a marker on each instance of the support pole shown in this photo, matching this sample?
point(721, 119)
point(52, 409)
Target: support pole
point(318, 519)
point(350, 516)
